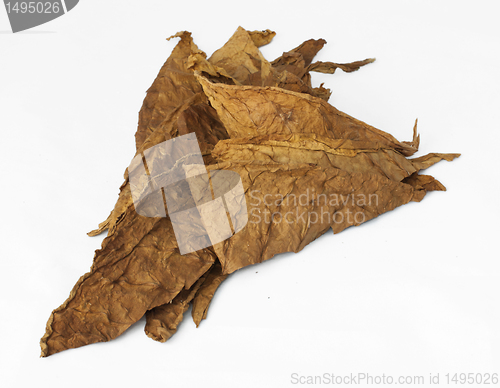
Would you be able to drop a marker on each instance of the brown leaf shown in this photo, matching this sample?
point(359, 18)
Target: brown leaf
point(242, 60)
point(291, 205)
point(162, 321)
point(305, 167)
point(348, 155)
point(330, 67)
point(428, 160)
point(294, 67)
point(175, 91)
point(201, 301)
point(138, 268)
point(423, 184)
point(300, 57)
point(173, 85)
point(252, 111)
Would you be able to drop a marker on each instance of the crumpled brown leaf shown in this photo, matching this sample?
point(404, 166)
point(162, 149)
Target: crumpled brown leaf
point(162, 321)
point(204, 296)
point(138, 268)
point(348, 155)
point(242, 59)
point(293, 204)
point(305, 166)
point(294, 67)
point(252, 111)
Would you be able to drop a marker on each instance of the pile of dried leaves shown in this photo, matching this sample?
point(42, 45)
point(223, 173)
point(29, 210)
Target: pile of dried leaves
point(265, 121)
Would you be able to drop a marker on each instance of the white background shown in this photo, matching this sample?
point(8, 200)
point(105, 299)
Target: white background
point(413, 292)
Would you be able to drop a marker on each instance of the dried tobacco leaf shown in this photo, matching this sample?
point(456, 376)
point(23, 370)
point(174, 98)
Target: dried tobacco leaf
point(138, 269)
point(291, 205)
point(175, 91)
point(294, 67)
point(174, 105)
point(172, 87)
point(162, 321)
point(252, 111)
point(305, 166)
point(347, 155)
point(242, 59)
point(204, 296)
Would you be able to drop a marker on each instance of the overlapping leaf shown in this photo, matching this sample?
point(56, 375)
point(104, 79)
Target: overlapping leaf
point(305, 166)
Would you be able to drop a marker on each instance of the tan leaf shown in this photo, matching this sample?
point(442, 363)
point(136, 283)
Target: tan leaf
point(162, 321)
point(242, 60)
point(201, 301)
point(291, 205)
point(252, 111)
point(348, 155)
point(138, 268)
point(305, 167)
